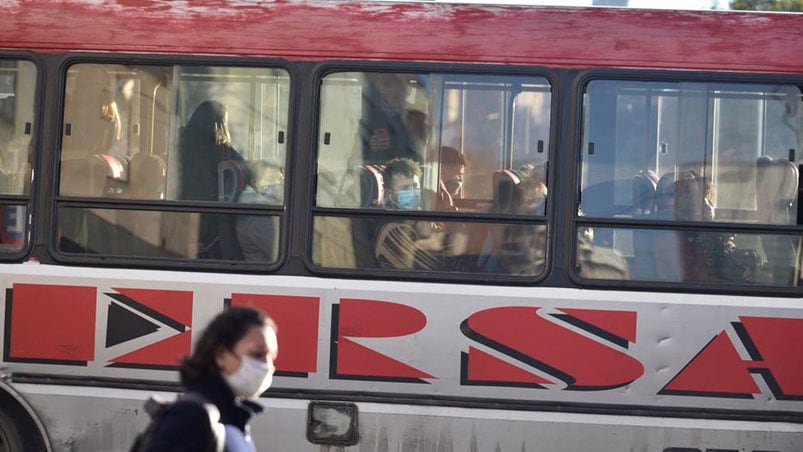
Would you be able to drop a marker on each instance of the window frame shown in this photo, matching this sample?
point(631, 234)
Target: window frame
point(580, 83)
point(548, 219)
point(177, 206)
point(29, 200)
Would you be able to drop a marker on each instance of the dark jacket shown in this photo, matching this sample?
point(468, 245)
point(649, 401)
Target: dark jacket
point(186, 428)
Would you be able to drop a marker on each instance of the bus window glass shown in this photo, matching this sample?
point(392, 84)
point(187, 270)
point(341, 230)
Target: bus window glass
point(17, 88)
point(175, 235)
point(493, 248)
point(184, 133)
point(17, 97)
point(685, 256)
point(395, 142)
point(693, 152)
point(174, 134)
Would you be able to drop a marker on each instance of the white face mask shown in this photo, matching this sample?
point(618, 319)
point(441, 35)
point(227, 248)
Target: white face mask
point(251, 379)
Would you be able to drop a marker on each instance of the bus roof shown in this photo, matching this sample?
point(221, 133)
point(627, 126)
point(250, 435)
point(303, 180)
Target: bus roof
point(566, 37)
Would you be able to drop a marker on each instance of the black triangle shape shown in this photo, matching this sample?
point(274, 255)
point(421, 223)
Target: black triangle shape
point(123, 325)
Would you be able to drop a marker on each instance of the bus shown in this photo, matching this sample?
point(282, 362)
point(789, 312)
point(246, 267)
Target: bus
point(478, 227)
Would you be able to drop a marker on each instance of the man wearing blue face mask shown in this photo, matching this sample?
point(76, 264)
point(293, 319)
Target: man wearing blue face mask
point(408, 244)
point(403, 185)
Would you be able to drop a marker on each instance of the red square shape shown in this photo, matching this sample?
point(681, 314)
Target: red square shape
point(52, 323)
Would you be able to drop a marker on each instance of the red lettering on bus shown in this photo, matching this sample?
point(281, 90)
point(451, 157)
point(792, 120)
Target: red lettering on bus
point(581, 362)
point(356, 318)
point(480, 368)
point(172, 308)
point(776, 340)
point(718, 369)
point(51, 323)
point(297, 319)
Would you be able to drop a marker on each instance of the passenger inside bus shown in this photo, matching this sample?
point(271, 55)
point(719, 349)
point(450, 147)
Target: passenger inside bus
point(522, 250)
point(258, 234)
point(109, 112)
point(693, 256)
point(205, 143)
point(453, 171)
point(385, 134)
point(408, 244)
point(417, 124)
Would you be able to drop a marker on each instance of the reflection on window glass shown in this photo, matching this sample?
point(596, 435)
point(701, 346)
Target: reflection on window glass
point(402, 142)
point(489, 248)
point(691, 151)
point(17, 90)
point(176, 235)
point(173, 133)
point(690, 256)
point(183, 133)
point(435, 142)
point(13, 228)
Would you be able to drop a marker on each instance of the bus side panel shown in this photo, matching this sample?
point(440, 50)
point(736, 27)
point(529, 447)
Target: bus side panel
point(519, 358)
point(110, 419)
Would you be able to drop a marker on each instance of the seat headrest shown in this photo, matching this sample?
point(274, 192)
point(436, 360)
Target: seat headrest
point(504, 185)
point(116, 167)
point(232, 179)
point(643, 195)
point(777, 184)
point(371, 183)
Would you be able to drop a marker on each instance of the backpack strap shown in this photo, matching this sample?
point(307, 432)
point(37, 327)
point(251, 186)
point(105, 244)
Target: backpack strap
point(217, 441)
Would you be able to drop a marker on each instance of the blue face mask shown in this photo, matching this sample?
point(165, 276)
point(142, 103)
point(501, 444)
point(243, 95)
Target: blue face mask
point(408, 199)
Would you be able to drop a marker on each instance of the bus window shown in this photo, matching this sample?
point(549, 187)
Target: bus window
point(660, 153)
point(390, 143)
point(17, 93)
point(171, 135)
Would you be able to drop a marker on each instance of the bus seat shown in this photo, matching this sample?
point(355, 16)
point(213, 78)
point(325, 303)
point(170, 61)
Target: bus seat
point(777, 184)
point(535, 170)
point(116, 167)
point(597, 200)
point(371, 185)
point(369, 180)
point(97, 176)
point(504, 184)
point(643, 194)
point(664, 197)
point(147, 176)
point(116, 170)
point(232, 179)
point(643, 206)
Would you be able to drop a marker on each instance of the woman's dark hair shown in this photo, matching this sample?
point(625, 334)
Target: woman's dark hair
point(202, 123)
point(224, 331)
point(203, 143)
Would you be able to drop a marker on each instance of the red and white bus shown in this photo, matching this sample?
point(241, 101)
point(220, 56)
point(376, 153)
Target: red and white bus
point(598, 246)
